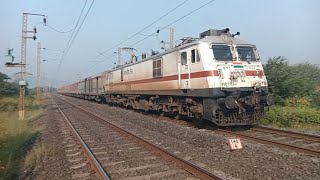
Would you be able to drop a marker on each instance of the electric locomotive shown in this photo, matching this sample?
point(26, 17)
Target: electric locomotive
point(216, 77)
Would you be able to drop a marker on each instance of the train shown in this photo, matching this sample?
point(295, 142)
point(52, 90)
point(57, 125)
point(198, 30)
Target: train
point(216, 77)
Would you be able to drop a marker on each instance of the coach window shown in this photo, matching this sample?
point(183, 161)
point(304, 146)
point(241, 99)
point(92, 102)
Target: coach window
point(195, 56)
point(184, 58)
point(157, 68)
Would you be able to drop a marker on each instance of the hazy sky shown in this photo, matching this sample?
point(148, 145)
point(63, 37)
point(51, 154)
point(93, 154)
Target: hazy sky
point(287, 28)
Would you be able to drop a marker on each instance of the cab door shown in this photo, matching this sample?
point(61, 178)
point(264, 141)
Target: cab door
point(184, 69)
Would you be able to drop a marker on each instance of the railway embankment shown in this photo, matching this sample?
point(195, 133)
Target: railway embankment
point(49, 150)
point(16, 136)
point(208, 147)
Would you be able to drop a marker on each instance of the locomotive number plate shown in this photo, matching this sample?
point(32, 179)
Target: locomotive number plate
point(234, 144)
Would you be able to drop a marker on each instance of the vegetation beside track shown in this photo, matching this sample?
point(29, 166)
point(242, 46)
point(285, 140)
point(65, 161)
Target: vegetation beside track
point(297, 91)
point(16, 136)
point(303, 118)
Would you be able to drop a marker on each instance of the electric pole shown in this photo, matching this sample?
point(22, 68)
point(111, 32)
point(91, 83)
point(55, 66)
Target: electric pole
point(119, 56)
point(171, 38)
point(23, 62)
point(22, 83)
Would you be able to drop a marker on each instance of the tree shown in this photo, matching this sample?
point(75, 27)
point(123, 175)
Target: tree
point(299, 80)
point(3, 77)
point(8, 88)
point(277, 72)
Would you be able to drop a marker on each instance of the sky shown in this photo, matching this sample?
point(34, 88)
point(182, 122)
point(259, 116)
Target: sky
point(278, 28)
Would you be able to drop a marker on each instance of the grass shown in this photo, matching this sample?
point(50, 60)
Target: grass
point(16, 136)
point(36, 154)
point(301, 118)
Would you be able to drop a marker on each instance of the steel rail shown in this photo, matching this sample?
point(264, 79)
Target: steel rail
point(275, 143)
point(188, 166)
point(101, 173)
point(293, 134)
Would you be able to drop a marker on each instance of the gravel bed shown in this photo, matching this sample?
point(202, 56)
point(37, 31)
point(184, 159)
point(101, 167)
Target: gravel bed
point(50, 138)
point(204, 147)
point(122, 158)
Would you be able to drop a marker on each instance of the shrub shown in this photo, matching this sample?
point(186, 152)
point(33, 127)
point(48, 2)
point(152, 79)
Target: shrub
point(291, 116)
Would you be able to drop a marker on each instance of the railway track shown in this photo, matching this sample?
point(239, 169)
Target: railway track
point(95, 165)
point(298, 142)
point(122, 154)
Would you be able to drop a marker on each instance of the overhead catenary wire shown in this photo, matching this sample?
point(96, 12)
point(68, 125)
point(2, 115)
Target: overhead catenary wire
point(139, 32)
point(75, 35)
point(67, 31)
point(59, 31)
point(150, 35)
point(191, 12)
point(106, 59)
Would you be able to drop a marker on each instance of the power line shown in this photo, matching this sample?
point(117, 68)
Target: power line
point(71, 42)
point(107, 58)
point(191, 12)
point(58, 31)
point(72, 29)
point(138, 33)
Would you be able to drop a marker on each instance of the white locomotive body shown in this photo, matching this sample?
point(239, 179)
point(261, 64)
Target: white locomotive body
point(216, 77)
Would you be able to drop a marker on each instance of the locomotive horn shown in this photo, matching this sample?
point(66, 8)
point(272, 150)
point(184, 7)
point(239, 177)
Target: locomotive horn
point(237, 34)
point(226, 30)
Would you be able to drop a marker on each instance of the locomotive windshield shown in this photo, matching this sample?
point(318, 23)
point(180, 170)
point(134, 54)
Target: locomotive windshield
point(246, 54)
point(222, 53)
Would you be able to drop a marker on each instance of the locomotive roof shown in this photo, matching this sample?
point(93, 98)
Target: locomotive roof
point(222, 39)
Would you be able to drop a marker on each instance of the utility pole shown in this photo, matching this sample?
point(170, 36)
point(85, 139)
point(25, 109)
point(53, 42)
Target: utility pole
point(119, 56)
point(23, 62)
point(22, 83)
point(38, 70)
point(171, 38)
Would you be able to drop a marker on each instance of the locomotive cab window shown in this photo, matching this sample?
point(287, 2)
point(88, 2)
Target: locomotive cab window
point(184, 58)
point(157, 68)
point(222, 52)
point(246, 54)
point(195, 56)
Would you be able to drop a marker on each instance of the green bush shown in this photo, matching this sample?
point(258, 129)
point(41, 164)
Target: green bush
point(291, 116)
point(9, 104)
